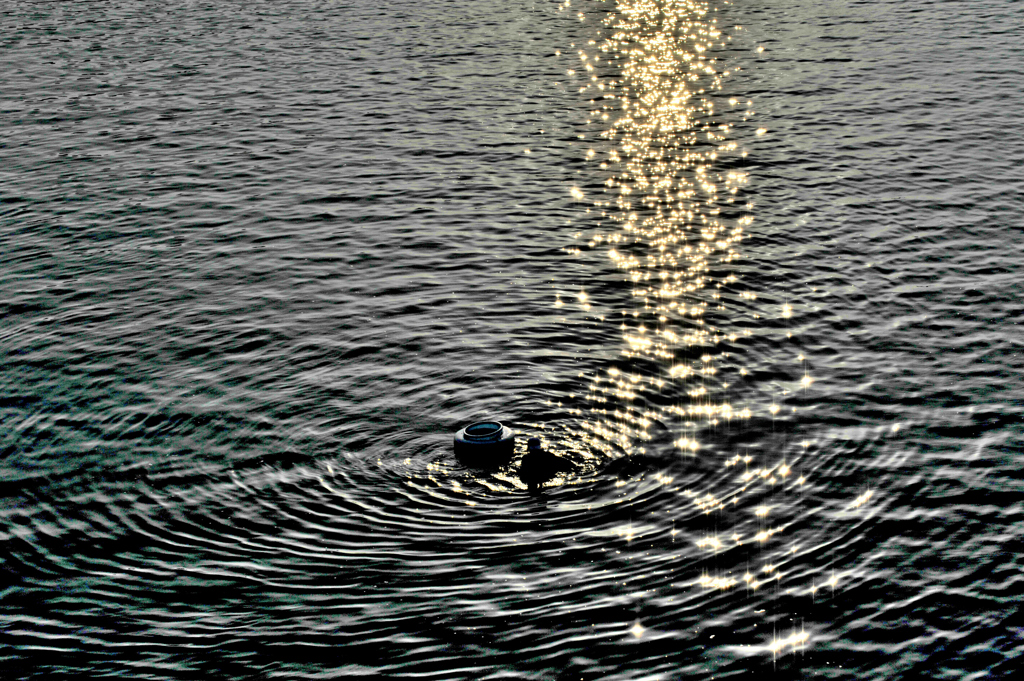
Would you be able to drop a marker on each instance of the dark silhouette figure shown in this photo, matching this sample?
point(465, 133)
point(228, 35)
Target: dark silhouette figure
point(539, 465)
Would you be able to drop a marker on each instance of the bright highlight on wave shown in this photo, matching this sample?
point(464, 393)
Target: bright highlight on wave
point(795, 640)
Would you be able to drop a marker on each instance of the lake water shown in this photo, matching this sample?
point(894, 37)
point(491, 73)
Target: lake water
point(753, 269)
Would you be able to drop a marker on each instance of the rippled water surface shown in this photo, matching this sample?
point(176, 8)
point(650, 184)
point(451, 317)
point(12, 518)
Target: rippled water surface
point(752, 269)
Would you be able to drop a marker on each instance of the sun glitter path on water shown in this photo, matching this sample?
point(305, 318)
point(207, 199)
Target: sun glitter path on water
point(664, 196)
point(673, 216)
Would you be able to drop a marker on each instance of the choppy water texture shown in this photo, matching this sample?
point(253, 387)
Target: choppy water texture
point(753, 269)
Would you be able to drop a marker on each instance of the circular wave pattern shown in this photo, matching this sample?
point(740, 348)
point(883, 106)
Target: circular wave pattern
point(262, 261)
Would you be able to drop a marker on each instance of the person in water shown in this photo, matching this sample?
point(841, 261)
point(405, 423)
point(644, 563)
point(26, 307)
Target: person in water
point(539, 465)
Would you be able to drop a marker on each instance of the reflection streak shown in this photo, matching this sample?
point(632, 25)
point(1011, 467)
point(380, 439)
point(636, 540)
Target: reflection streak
point(665, 194)
point(672, 219)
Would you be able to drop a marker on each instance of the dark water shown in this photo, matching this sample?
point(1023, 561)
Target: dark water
point(259, 261)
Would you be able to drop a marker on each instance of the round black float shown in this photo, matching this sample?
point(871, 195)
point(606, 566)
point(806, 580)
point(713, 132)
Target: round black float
point(486, 444)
